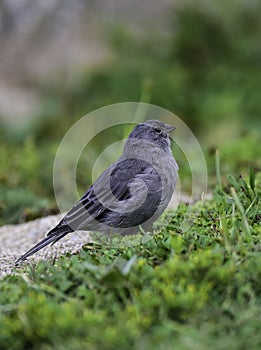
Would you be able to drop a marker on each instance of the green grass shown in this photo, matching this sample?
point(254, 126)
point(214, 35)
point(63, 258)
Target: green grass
point(194, 290)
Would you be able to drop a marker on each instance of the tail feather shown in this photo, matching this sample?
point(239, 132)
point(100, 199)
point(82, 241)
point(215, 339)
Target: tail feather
point(52, 237)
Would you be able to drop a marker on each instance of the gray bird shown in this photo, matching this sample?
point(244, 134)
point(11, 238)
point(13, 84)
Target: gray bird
point(132, 192)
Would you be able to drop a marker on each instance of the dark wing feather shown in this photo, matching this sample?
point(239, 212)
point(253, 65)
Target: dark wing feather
point(118, 179)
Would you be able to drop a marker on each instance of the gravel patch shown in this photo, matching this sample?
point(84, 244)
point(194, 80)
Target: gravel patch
point(15, 240)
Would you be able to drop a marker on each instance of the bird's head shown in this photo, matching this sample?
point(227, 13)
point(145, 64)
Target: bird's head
point(154, 131)
point(159, 127)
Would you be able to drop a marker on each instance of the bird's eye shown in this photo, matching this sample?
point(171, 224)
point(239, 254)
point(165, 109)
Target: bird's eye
point(158, 131)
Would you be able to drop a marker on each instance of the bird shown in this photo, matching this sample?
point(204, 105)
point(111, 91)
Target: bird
point(130, 194)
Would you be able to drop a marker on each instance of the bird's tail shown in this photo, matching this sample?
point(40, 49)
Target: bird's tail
point(52, 237)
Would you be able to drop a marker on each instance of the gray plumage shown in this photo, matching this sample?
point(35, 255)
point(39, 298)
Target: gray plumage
point(134, 191)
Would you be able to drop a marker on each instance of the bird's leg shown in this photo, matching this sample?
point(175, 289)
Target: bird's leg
point(110, 236)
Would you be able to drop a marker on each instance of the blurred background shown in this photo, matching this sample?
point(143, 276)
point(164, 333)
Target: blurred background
point(61, 59)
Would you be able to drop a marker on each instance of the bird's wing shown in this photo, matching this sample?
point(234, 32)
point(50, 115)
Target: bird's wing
point(118, 189)
point(145, 198)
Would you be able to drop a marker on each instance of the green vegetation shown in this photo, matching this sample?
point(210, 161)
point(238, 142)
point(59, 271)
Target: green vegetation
point(171, 290)
point(194, 290)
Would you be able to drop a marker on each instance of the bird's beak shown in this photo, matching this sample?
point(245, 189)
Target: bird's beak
point(170, 128)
